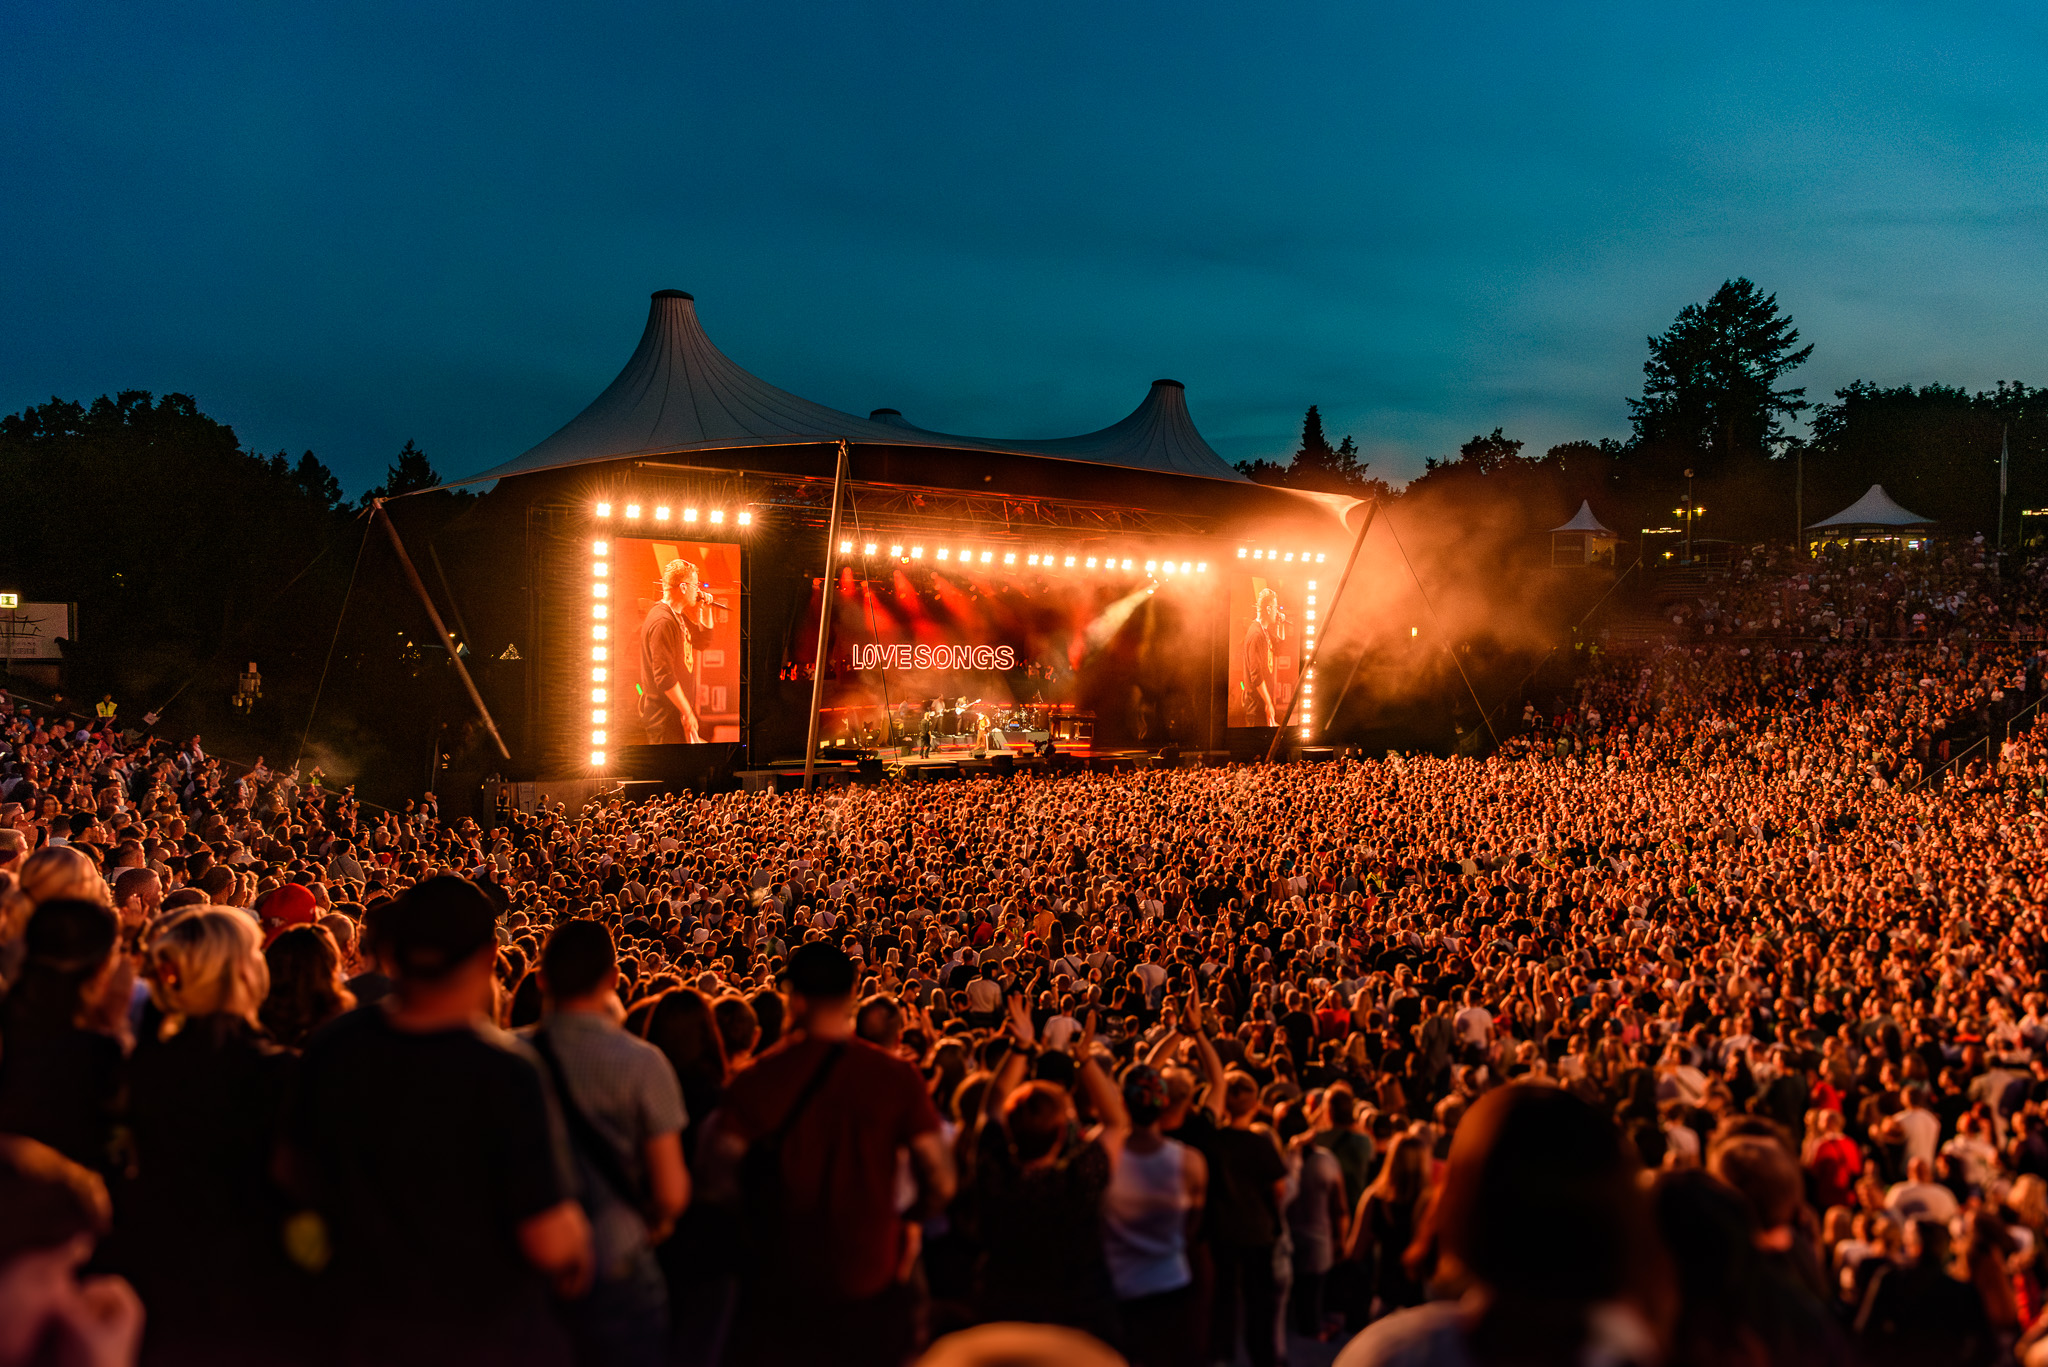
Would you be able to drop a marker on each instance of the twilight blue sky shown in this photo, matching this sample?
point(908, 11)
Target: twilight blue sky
point(343, 226)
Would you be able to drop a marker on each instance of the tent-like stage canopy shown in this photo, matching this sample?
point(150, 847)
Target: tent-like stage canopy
point(679, 393)
point(1875, 510)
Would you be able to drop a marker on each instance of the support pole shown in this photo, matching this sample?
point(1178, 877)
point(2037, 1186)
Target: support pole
point(826, 587)
point(1799, 504)
point(413, 576)
point(1308, 666)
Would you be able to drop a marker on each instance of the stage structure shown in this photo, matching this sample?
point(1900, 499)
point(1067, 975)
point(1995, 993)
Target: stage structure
point(1124, 589)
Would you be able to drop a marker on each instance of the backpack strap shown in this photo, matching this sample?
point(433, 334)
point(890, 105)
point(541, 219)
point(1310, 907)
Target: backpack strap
point(812, 1086)
point(584, 1136)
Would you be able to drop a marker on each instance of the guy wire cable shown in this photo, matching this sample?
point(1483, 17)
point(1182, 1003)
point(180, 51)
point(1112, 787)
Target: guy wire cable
point(1426, 602)
point(332, 641)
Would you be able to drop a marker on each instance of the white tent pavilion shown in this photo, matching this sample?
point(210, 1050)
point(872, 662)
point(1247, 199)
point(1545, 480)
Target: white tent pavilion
point(1874, 517)
point(1585, 540)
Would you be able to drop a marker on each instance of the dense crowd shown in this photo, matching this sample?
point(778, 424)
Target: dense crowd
point(1704, 1022)
point(1869, 591)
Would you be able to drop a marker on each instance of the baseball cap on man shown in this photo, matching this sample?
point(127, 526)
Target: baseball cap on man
point(288, 906)
point(436, 926)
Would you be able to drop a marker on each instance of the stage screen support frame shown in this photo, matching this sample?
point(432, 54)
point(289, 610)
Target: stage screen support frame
point(1307, 670)
point(824, 621)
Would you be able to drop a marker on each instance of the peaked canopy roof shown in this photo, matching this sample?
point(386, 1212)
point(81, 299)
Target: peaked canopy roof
point(1584, 521)
point(680, 393)
point(1874, 509)
point(1158, 435)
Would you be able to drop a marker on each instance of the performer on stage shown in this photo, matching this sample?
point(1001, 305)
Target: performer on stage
point(670, 637)
point(1269, 624)
point(927, 724)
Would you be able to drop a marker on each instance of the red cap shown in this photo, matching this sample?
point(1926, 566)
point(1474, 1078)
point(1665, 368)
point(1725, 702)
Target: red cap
point(288, 906)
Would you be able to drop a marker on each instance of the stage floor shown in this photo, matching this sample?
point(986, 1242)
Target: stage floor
point(950, 762)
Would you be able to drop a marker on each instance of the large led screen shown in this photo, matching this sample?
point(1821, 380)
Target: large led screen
point(1266, 621)
point(675, 644)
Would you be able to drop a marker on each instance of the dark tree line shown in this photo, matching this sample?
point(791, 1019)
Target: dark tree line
point(1317, 465)
point(1935, 448)
point(190, 557)
point(1715, 401)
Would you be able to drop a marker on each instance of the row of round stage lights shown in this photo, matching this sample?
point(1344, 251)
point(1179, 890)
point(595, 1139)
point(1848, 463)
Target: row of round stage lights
point(1040, 560)
point(600, 608)
point(1287, 558)
point(663, 514)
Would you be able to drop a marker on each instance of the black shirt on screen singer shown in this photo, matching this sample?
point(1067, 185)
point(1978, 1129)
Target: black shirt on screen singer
point(671, 635)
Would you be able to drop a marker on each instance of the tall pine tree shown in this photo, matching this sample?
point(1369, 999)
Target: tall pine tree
point(1711, 395)
point(1317, 465)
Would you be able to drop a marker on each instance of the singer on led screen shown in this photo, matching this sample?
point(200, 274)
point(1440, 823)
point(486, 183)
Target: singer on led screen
point(1268, 626)
point(671, 641)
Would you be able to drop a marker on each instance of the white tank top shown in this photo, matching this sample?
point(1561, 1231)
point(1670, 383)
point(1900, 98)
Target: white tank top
point(1145, 1221)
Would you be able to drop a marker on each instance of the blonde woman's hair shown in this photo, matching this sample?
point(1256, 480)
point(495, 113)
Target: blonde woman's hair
point(2029, 1199)
point(53, 872)
point(203, 961)
point(50, 873)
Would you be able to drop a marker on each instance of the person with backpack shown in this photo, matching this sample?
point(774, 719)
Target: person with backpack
point(623, 1110)
point(424, 1140)
point(807, 1141)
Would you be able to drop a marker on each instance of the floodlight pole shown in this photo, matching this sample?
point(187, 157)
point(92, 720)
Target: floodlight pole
point(1308, 665)
point(824, 622)
point(1688, 518)
point(2004, 463)
point(447, 641)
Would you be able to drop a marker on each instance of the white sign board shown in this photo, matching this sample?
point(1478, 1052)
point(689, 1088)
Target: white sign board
point(31, 631)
